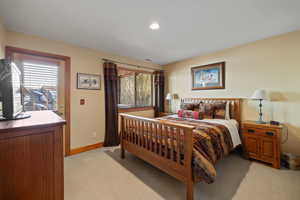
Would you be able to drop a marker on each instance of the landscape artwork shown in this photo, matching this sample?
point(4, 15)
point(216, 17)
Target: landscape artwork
point(210, 76)
point(88, 81)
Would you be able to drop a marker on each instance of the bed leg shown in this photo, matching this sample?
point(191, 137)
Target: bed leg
point(190, 190)
point(122, 137)
point(122, 152)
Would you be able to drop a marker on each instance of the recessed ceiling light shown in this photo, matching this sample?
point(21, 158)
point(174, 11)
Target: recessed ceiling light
point(154, 26)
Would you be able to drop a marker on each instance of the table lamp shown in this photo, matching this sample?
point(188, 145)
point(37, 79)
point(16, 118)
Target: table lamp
point(169, 98)
point(260, 95)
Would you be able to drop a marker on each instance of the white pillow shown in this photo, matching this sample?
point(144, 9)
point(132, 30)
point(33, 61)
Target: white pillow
point(227, 111)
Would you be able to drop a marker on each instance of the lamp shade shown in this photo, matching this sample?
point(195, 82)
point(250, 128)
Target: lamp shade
point(259, 94)
point(169, 96)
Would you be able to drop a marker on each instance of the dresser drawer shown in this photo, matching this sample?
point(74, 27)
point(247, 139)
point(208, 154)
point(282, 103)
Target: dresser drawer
point(262, 132)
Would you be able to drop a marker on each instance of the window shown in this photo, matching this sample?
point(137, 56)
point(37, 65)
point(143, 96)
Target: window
point(127, 90)
point(135, 89)
point(143, 90)
point(40, 87)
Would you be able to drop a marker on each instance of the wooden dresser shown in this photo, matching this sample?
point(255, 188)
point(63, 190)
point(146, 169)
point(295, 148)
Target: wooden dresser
point(31, 158)
point(262, 142)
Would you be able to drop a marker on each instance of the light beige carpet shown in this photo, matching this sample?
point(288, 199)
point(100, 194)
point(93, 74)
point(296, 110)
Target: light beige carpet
point(101, 174)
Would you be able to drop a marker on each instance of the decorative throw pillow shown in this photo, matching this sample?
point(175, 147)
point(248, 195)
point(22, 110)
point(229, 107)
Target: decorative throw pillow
point(187, 106)
point(196, 107)
point(180, 113)
point(219, 110)
point(227, 112)
point(189, 114)
point(206, 110)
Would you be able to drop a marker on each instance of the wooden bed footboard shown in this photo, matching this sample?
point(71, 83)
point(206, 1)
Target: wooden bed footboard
point(166, 145)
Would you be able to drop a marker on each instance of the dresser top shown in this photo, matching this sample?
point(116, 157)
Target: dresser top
point(37, 119)
point(254, 124)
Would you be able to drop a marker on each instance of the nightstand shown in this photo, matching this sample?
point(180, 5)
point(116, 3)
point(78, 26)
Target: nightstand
point(262, 142)
point(162, 114)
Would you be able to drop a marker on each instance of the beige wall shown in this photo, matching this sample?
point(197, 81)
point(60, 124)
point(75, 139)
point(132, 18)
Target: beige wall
point(272, 64)
point(2, 39)
point(89, 118)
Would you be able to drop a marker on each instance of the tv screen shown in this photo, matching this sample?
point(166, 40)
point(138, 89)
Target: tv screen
point(16, 89)
point(10, 88)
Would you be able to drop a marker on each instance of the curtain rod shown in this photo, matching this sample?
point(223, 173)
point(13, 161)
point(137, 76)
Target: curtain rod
point(138, 66)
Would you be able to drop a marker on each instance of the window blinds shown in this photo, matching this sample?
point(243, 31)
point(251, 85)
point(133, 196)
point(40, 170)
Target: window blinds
point(37, 76)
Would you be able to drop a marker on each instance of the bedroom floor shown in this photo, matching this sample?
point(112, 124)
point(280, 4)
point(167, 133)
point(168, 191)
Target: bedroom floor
point(101, 174)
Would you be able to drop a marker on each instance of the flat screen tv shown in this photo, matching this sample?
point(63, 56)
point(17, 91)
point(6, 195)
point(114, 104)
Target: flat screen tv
point(11, 91)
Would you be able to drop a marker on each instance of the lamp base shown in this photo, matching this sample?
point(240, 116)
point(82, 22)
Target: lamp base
point(261, 122)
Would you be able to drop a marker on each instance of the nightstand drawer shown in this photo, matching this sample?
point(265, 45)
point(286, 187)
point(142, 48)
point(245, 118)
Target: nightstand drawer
point(261, 132)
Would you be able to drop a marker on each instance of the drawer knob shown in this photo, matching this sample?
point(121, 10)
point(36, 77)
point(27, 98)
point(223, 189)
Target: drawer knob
point(251, 131)
point(270, 133)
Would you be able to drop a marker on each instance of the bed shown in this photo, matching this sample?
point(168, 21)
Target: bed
point(184, 148)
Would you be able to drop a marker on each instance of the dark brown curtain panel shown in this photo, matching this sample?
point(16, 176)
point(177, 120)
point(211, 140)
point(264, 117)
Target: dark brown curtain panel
point(111, 104)
point(159, 90)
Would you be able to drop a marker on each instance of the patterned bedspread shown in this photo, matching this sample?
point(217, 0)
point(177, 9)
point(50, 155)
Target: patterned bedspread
point(212, 141)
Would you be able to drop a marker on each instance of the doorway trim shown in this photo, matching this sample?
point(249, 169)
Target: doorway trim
point(9, 51)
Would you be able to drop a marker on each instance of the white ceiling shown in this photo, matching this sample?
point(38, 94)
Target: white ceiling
point(188, 27)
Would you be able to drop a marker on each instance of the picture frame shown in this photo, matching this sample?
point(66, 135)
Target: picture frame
point(88, 81)
point(208, 77)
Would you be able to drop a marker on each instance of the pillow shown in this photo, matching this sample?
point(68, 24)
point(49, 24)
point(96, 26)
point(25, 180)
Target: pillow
point(206, 110)
point(180, 113)
point(187, 106)
point(196, 107)
point(219, 110)
point(227, 111)
point(189, 114)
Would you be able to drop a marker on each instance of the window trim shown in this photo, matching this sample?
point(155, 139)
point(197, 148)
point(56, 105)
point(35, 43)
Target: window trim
point(135, 70)
point(136, 108)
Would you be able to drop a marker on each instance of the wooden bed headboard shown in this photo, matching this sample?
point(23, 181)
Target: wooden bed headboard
point(235, 108)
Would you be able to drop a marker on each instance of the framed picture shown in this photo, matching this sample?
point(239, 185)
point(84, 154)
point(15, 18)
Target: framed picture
point(207, 77)
point(88, 81)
